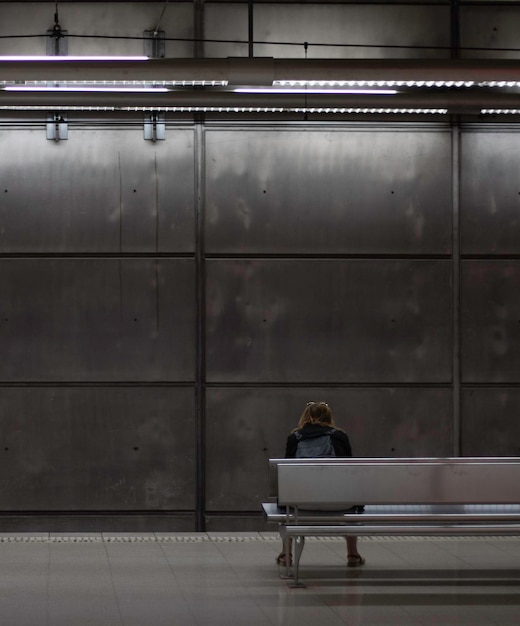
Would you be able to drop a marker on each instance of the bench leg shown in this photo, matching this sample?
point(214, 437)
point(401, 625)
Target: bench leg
point(299, 544)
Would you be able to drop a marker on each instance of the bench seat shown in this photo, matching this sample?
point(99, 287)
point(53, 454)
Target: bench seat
point(423, 497)
point(467, 513)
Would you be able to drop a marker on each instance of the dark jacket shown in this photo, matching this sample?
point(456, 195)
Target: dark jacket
point(339, 440)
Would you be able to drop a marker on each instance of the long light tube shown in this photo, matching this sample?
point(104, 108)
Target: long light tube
point(85, 89)
point(373, 83)
point(304, 90)
point(239, 109)
point(72, 58)
point(500, 111)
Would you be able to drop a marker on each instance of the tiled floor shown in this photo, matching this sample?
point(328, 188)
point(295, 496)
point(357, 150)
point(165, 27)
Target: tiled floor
point(213, 579)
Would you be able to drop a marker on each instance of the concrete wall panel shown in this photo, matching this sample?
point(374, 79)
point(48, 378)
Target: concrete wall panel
point(100, 191)
point(91, 320)
point(328, 192)
point(490, 316)
point(100, 28)
point(335, 320)
point(486, 26)
point(359, 27)
point(96, 449)
point(490, 425)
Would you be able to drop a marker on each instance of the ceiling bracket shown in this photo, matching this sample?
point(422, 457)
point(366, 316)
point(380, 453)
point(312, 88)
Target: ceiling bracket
point(57, 44)
point(154, 126)
point(154, 44)
point(57, 127)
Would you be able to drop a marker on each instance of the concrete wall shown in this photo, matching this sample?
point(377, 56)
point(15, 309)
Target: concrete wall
point(168, 308)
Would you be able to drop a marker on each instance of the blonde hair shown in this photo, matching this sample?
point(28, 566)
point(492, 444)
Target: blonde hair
point(316, 413)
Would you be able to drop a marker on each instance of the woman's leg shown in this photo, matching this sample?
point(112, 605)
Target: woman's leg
point(352, 546)
point(283, 558)
point(354, 559)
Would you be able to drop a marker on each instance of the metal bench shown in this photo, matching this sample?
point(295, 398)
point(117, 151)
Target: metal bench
point(459, 496)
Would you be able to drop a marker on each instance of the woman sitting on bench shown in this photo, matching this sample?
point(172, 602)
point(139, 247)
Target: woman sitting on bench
point(317, 436)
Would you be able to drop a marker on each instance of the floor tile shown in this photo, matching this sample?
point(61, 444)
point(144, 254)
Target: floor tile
point(198, 579)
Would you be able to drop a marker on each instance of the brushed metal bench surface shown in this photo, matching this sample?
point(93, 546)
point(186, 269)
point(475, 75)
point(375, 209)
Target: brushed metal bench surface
point(402, 496)
point(454, 530)
point(382, 514)
point(398, 483)
point(275, 464)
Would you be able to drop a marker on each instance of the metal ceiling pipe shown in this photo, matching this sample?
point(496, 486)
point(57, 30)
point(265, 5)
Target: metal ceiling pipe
point(460, 101)
point(413, 70)
point(236, 71)
point(262, 71)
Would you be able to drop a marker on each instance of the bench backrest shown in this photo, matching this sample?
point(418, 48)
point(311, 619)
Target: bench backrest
point(346, 482)
point(275, 463)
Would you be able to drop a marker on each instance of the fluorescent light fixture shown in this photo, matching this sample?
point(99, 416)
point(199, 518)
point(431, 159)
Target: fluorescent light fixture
point(500, 83)
point(72, 58)
point(85, 89)
point(314, 90)
point(373, 83)
point(500, 111)
point(199, 83)
point(236, 109)
point(459, 84)
point(371, 110)
point(83, 84)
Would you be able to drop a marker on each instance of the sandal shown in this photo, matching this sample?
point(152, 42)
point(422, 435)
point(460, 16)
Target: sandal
point(355, 560)
point(281, 559)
